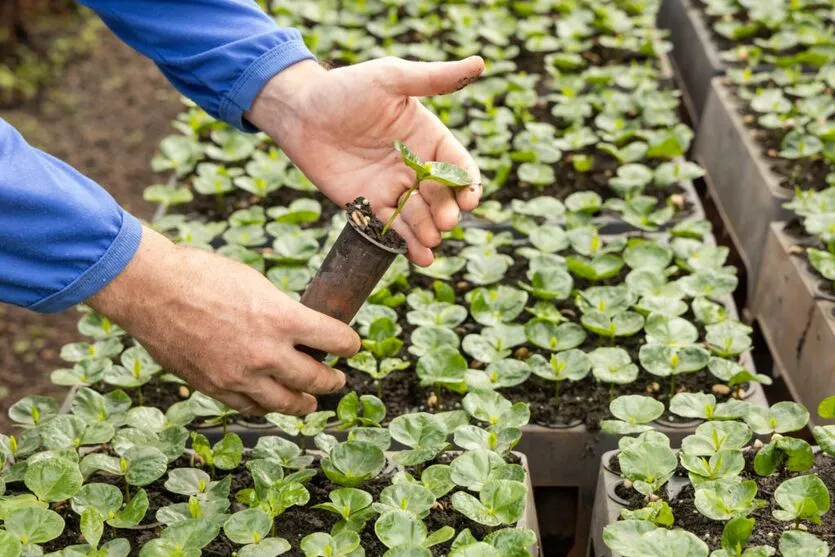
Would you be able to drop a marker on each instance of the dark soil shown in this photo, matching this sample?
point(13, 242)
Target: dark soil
point(768, 528)
point(105, 116)
point(807, 173)
point(293, 525)
point(207, 207)
point(362, 216)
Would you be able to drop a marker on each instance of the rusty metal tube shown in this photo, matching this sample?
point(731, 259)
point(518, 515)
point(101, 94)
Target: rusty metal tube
point(348, 275)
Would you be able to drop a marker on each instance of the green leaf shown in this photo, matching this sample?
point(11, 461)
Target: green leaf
point(796, 543)
point(411, 159)
point(711, 437)
point(781, 417)
point(723, 502)
point(647, 465)
point(353, 462)
point(320, 544)
point(636, 409)
point(53, 478)
point(825, 437)
point(613, 365)
point(736, 532)
point(400, 528)
point(34, 525)
point(195, 533)
point(554, 337)
point(145, 465)
point(228, 452)
point(623, 536)
point(248, 526)
point(663, 543)
point(268, 547)
point(826, 408)
point(33, 410)
point(693, 405)
point(448, 174)
point(500, 502)
point(9, 545)
point(133, 513)
point(803, 497)
point(92, 526)
point(105, 499)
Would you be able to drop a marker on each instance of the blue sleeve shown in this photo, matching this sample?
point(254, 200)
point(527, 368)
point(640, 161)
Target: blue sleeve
point(62, 237)
point(219, 53)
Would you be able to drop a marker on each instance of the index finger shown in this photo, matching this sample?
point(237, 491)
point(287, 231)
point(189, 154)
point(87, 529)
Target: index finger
point(450, 150)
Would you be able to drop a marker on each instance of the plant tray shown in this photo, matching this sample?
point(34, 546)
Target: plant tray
point(796, 320)
point(747, 192)
point(695, 58)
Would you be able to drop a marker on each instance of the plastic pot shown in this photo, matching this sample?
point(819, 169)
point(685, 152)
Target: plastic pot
point(348, 275)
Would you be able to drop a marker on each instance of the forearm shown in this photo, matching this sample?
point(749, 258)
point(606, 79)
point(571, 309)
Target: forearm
point(219, 53)
point(62, 237)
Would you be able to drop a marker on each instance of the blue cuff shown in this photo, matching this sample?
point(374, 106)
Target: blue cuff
point(240, 98)
point(112, 262)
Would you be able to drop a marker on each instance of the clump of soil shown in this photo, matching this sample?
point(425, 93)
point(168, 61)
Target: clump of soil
point(363, 218)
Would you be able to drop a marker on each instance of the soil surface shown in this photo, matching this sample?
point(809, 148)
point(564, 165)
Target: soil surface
point(105, 116)
point(293, 525)
point(362, 215)
point(768, 529)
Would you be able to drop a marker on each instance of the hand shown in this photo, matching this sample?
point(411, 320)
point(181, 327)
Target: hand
point(338, 127)
point(224, 328)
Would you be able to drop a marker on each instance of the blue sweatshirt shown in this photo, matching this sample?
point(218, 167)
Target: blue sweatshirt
point(63, 237)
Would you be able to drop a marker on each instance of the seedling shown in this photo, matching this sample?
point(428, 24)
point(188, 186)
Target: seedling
point(443, 173)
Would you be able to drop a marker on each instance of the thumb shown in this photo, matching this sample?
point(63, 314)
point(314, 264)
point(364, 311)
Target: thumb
point(420, 79)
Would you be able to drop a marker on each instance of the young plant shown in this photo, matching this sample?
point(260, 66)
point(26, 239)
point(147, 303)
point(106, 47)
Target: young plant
point(802, 498)
point(499, 502)
point(633, 413)
point(443, 369)
point(193, 482)
point(425, 434)
point(343, 544)
point(724, 502)
point(613, 365)
point(226, 454)
point(494, 343)
point(354, 410)
point(107, 502)
point(656, 512)
point(405, 534)
point(648, 465)
point(735, 534)
point(282, 451)
point(188, 537)
point(310, 426)
point(475, 468)
point(139, 466)
point(712, 437)
point(722, 465)
point(570, 365)
point(641, 538)
point(443, 173)
point(137, 369)
point(250, 528)
point(352, 505)
point(202, 406)
point(411, 497)
point(353, 462)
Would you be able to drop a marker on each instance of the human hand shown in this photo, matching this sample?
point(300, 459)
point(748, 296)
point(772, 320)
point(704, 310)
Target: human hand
point(339, 127)
point(224, 328)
